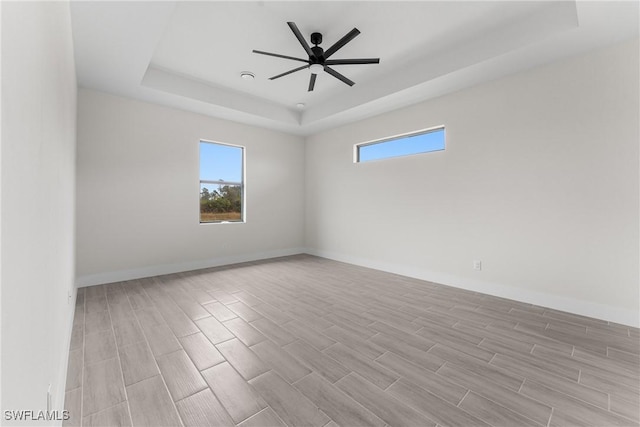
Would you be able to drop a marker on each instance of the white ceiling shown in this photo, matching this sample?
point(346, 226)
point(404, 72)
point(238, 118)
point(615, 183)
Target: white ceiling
point(189, 55)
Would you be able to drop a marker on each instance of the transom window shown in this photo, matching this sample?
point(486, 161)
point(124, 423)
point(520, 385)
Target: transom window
point(423, 141)
point(221, 182)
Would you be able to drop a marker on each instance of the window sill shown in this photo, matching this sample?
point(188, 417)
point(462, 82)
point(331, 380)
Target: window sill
point(223, 222)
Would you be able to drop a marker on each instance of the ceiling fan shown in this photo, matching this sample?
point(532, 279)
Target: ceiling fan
point(319, 58)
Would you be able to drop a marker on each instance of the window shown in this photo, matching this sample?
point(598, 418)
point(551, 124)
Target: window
point(402, 145)
point(221, 182)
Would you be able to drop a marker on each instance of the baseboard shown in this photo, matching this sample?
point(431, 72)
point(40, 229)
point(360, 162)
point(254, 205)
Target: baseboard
point(158, 270)
point(557, 302)
point(60, 392)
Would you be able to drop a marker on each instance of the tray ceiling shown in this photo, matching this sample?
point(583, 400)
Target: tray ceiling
point(189, 55)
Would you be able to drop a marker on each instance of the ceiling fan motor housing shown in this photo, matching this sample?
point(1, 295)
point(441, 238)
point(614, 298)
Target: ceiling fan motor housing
point(318, 55)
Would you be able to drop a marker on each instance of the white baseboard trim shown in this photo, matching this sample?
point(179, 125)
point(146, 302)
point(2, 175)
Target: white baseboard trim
point(158, 270)
point(557, 302)
point(59, 393)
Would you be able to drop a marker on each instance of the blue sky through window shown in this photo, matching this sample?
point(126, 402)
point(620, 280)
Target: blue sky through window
point(403, 146)
point(220, 162)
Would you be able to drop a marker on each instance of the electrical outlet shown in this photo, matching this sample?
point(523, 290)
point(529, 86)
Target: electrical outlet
point(477, 265)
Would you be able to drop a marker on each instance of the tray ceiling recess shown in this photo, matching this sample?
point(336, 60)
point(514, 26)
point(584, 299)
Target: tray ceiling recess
point(190, 55)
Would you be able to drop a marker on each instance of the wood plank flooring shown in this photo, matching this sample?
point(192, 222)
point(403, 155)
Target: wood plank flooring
point(305, 341)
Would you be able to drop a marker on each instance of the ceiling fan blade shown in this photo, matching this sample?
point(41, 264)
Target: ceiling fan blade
point(301, 39)
point(277, 55)
point(338, 76)
point(337, 45)
point(312, 82)
point(288, 72)
point(352, 61)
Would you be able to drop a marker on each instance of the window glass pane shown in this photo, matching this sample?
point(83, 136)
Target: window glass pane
point(222, 199)
point(220, 203)
point(220, 162)
point(403, 146)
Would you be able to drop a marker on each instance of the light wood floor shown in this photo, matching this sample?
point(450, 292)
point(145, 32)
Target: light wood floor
point(304, 341)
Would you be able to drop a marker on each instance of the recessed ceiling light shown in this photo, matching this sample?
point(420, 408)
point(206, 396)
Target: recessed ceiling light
point(247, 75)
point(300, 105)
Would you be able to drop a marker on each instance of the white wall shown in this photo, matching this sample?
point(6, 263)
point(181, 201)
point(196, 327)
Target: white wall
point(38, 192)
point(138, 191)
point(539, 181)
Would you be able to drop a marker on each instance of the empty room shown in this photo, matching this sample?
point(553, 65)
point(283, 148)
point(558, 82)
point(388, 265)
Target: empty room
point(320, 213)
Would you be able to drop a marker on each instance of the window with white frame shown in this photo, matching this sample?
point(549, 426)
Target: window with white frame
point(423, 141)
point(221, 182)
